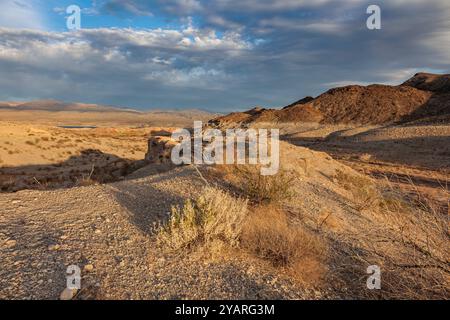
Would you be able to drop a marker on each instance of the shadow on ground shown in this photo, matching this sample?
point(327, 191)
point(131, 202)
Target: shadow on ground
point(90, 167)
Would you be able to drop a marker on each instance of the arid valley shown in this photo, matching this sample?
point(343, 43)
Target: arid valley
point(364, 180)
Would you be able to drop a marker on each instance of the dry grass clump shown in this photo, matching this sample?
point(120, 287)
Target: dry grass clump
point(421, 227)
point(406, 234)
point(86, 180)
point(365, 194)
point(268, 234)
point(418, 219)
point(215, 215)
point(264, 189)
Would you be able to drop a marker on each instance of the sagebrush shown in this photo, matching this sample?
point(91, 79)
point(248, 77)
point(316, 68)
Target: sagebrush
point(214, 215)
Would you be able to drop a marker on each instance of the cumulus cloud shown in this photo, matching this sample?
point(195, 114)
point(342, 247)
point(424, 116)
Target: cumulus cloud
point(95, 62)
point(237, 54)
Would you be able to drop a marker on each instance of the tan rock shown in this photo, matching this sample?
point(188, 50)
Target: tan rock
point(88, 268)
point(68, 294)
point(54, 247)
point(10, 243)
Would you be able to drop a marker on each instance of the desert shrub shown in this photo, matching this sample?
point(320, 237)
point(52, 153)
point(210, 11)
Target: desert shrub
point(215, 215)
point(406, 234)
point(268, 234)
point(86, 179)
point(421, 223)
point(365, 194)
point(265, 189)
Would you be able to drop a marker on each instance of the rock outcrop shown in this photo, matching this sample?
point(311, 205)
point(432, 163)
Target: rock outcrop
point(160, 149)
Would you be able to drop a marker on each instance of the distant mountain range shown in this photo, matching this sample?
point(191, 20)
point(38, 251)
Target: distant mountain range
point(424, 97)
point(55, 105)
point(59, 106)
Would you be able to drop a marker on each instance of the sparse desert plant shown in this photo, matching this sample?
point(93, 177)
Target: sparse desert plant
point(265, 189)
point(365, 194)
point(407, 236)
point(365, 157)
point(422, 224)
point(86, 180)
point(214, 215)
point(270, 235)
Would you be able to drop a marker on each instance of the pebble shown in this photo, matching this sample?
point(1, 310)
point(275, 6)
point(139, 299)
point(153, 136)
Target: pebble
point(88, 268)
point(11, 243)
point(68, 294)
point(54, 247)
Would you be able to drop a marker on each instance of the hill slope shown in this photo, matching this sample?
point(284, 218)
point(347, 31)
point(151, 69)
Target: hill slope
point(425, 97)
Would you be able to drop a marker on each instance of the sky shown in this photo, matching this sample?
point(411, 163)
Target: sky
point(217, 55)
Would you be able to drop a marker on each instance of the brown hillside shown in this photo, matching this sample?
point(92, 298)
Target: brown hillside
point(430, 82)
point(425, 97)
point(375, 104)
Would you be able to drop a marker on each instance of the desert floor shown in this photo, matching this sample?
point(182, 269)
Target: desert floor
point(83, 197)
point(412, 156)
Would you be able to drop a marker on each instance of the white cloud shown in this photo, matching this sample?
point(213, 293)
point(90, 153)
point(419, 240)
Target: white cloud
point(194, 77)
point(105, 62)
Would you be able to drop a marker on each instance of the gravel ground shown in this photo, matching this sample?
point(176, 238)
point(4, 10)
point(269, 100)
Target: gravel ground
point(105, 230)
